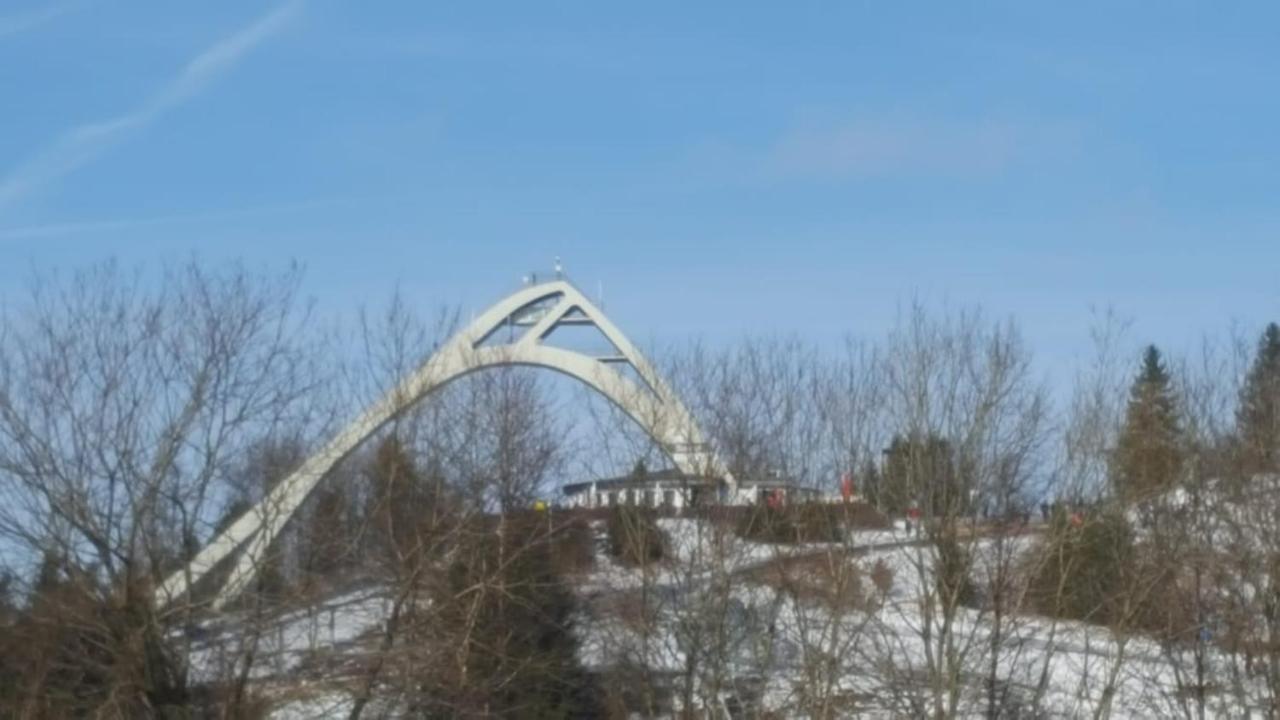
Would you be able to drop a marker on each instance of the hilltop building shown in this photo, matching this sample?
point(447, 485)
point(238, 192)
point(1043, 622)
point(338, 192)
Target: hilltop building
point(671, 488)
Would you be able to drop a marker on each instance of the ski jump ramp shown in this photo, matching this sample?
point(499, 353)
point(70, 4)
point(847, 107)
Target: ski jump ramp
point(511, 333)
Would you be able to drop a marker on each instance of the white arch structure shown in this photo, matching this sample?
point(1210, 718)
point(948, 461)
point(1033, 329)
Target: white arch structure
point(535, 311)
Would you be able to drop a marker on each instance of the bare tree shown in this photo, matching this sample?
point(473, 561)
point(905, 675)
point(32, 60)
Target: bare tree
point(125, 401)
point(969, 383)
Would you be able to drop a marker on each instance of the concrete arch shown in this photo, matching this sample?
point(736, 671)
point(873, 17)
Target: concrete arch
point(536, 310)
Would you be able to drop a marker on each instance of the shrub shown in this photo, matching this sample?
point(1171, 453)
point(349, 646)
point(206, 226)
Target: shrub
point(882, 577)
point(951, 571)
point(861, 516)
point(574, 546)
point(1083, 567)
point(634, 536)
point(808, 523)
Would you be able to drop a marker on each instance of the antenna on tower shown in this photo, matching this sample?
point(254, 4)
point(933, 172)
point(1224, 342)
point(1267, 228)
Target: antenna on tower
point(559, 269)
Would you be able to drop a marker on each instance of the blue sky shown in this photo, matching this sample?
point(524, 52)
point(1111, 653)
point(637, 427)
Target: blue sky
point(724, 169)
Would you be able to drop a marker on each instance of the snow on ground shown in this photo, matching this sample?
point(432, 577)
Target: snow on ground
point(880, 651)
point(706, 601)
point(286, 641)
point(323, 704)
point(699, 551)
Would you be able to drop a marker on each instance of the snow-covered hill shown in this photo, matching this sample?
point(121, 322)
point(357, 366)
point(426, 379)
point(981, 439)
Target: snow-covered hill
point(741, 625)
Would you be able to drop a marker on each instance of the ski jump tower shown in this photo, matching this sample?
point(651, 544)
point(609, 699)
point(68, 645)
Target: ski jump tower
point(513, 332)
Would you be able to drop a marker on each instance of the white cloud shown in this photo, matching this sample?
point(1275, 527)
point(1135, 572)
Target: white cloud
point(901, 147)
point(81, 144)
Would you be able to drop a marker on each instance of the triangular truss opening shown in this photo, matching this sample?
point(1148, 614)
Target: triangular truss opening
point(577, 332)
point(576, 315)
point(517, 324)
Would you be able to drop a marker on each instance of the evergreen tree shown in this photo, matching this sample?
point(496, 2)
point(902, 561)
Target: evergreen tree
point(518, 657)
point(922, 472)
point(402, 501)
point(49, 576)
point(8, 598)
point(1149, 454)
point(12, 652)
point(641, 471)
point(872, 485)
point(1258, 415)
point(1084, 568)
point(326, 541)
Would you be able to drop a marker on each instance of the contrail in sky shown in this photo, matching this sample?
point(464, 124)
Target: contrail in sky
point(82, 143)
point(21, 22)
